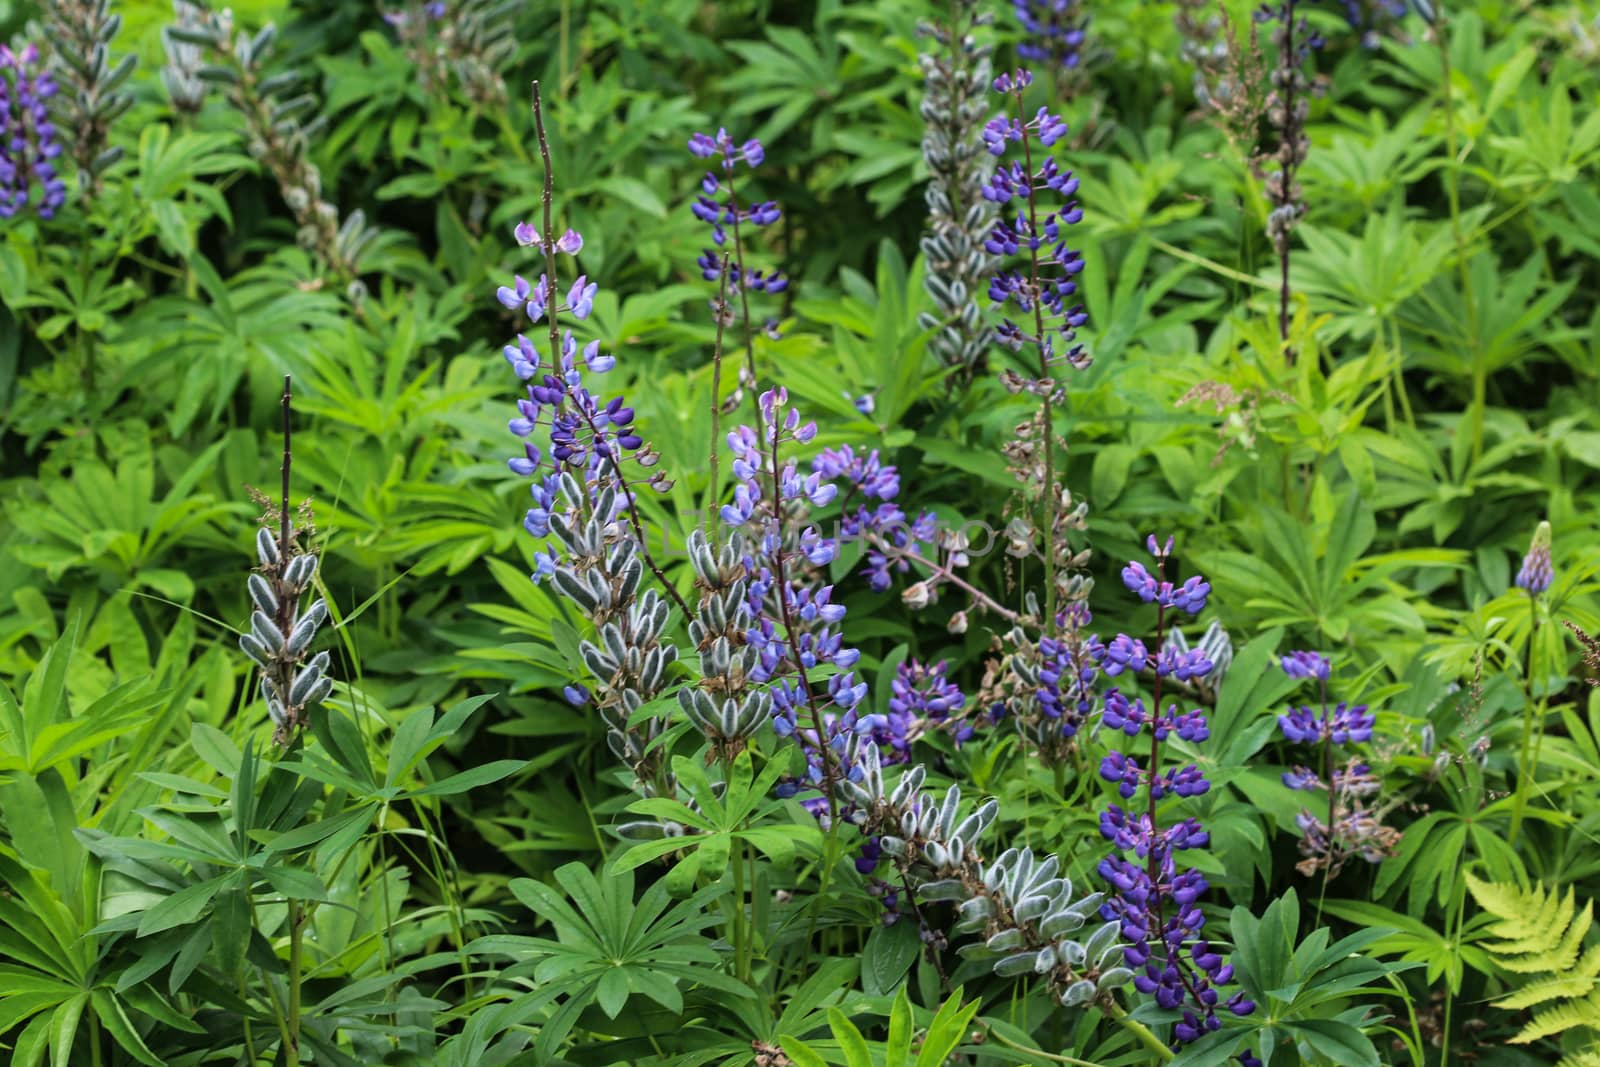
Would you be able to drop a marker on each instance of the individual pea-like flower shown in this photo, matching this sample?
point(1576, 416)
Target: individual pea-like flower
point(1303, 665)
point(1537, 573)
point(293, 681)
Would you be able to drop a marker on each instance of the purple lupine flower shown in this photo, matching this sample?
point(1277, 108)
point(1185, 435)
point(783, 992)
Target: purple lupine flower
point(1306, 665)
point(587, 435)
point(1349, 828)
point(719, 207)
point(1155, 902)
point(1043, 291)
point(1537, 573)
point(795, 627)
point(1055, 31)
point(1343, 725)
point(28, 140)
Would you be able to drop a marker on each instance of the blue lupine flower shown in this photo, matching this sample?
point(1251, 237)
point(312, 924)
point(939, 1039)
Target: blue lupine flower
point(1348, 828)
point(1306, 665)
point(1343, 725)
point(28, 141)
point(1537, 573)
point(1156, 903)
point(1055, 31)
point(1041, 292)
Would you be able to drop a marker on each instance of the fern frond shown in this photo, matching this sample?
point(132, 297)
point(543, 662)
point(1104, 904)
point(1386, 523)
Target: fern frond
point(1539, 931)
point(1548, 989)
point(1561, 1018)
point(1589, 1057)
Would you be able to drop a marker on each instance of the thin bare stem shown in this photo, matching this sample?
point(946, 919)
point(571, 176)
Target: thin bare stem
point(719, 314)
point(744, 287)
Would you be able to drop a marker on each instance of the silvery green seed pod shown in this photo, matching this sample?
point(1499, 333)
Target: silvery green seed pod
point(978, 908)
point(892, 846)
point(943, 889)
point(253, 648)
point(568, 582)
point(1030, 908)
point(1014, 964)
point(319, 662)
point(267, 632)
point(599, 590)
point(1114, 978)
point(314, 617)
point(1007, 940)
point(611, 637)
point(305, 684)
point(1103, 938)
point(1079, 992)
point(300, 571)
point(262, 594)
point(602, 665)
point(266, 548)
point(1060, 923)
point(278, 714)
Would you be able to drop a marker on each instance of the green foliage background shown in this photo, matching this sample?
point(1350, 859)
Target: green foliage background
point(1372, 500)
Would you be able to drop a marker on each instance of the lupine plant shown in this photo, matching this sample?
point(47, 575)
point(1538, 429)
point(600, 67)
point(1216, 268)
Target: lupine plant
point(814, 694)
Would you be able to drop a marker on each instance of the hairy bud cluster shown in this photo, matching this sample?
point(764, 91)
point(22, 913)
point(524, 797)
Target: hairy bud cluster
point(725, 705)
point(600, 570)
point(1025, 913)
point(281, 634)
point(954, 108)
point(278, 134)
point(92, 96)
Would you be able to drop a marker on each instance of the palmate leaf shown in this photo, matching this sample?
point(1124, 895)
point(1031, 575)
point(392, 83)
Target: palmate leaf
point(610, 946)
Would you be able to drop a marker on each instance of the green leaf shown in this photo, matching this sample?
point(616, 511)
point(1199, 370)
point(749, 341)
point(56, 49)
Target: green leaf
point(889, 953)
point(850, 1040)
point(473, 778)
point(612, 992)
point(799, 1053)
point(180, 909)
point(1340, 1042)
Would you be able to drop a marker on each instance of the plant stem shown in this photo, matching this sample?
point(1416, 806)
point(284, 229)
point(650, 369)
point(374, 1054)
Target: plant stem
point(781, 587)
point(995, 1035)
point(551, 302)
point(1114, 1011)
point(744, 282)
point(714, 484)
point(1524, 771)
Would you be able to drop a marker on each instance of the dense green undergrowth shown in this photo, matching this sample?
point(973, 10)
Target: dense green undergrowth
point(1351, 376)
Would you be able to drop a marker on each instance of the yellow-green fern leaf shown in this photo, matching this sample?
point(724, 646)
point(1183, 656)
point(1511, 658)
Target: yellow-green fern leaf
point(1560, 1019)
point(1589, 1057)
point(1578, 982)
point(1539, 931)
